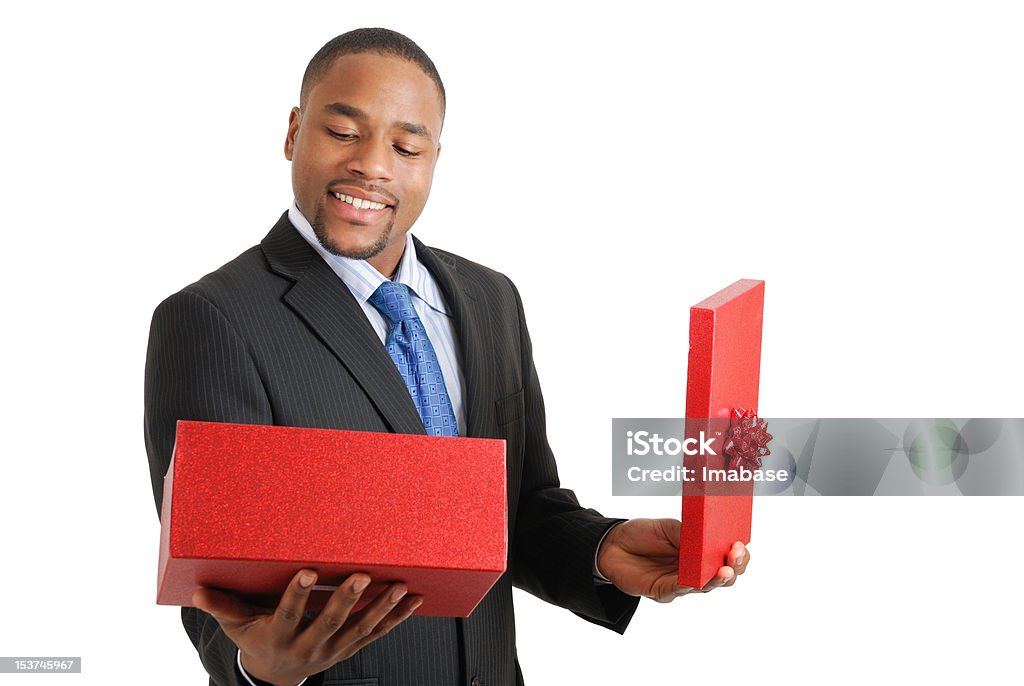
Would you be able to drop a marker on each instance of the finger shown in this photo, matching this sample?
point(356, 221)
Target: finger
point(724, 575)
point(730, 577)
point(680, 591)
point(739, 557)
point(399, 614)
point(667, 588)
point(362, 624)
point(293, 605)
point(230, 612)
point(337, 610)
point(670, 529)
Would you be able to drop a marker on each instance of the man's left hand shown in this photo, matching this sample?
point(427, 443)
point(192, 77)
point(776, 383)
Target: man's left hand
point(641, 557)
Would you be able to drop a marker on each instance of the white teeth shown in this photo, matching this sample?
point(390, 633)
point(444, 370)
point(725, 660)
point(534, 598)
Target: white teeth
point(360, 203)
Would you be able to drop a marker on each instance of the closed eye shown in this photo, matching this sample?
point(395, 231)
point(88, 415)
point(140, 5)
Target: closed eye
point(341, 136)
point(404, 152)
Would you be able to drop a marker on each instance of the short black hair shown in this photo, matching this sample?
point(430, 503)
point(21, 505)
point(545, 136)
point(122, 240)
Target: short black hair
point(360, 41)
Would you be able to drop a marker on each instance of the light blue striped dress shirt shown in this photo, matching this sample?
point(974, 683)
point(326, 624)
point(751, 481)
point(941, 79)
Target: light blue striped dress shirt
point(362, 280)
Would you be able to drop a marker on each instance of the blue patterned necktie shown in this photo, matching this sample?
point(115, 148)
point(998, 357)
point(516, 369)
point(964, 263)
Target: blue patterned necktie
point(412, 353)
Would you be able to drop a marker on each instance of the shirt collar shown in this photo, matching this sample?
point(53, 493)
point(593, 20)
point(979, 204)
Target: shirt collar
point(362, 278)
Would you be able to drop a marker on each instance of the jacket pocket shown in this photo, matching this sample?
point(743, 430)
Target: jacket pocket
point(510, 409)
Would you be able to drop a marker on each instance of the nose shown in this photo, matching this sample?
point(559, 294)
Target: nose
point(371, 158)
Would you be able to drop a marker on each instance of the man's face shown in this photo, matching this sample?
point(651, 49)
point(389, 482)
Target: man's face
point(363, 151)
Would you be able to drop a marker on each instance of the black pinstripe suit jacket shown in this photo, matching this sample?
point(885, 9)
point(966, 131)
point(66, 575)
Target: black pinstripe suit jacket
point(275, 337)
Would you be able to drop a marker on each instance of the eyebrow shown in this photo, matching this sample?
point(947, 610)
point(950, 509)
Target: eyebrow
point(344, 110)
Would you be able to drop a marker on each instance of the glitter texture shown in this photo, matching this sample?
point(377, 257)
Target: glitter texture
point(723, 373)
point(245, 507)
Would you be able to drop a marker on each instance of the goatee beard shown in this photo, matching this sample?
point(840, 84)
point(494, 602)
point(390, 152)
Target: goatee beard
point(330, 246)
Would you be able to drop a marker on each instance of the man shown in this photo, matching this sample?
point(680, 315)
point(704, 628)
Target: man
point(297, 331)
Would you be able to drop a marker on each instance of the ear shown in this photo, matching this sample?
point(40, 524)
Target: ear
point(438, 153)
point(293, 131)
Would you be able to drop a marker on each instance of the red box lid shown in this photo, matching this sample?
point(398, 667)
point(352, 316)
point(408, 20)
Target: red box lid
point(247, 506)
point(723, 373)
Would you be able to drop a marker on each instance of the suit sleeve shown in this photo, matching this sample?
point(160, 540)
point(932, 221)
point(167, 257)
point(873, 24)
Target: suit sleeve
point(198, 368)
point(555, 538)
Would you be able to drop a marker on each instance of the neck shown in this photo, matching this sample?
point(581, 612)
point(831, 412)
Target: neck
point(386, 261)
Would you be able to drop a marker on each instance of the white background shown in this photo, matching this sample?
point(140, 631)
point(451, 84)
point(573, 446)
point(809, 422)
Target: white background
point(864, 158)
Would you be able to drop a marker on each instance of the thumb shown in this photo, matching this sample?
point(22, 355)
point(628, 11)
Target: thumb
point(666, 588)
point(671, 530)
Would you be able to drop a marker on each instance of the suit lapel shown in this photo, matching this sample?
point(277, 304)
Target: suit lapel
point(475, 348)
point(320, 298)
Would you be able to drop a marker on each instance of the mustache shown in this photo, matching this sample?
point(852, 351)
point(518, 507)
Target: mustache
point(363, 186)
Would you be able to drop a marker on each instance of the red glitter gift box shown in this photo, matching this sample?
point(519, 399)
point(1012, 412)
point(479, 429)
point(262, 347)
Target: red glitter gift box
point(245, 507)
point(723, 373)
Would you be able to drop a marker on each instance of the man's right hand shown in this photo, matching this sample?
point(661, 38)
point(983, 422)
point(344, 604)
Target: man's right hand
point(281, 648)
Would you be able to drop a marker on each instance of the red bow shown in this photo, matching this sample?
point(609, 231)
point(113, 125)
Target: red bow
point(746, 442)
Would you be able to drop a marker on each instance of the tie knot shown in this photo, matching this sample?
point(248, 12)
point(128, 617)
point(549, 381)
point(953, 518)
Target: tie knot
point(393, 300)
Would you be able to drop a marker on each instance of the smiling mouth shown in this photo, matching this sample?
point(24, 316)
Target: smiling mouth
point(360, 203)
